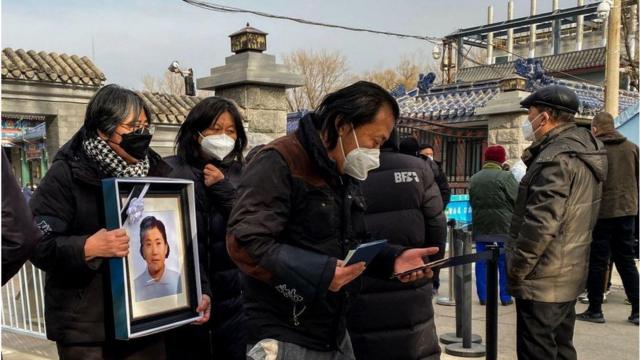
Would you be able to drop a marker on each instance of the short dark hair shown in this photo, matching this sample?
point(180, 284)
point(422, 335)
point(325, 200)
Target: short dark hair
point(409, 146)
point(148, 223)
point(556, 115)
point(603, 121)
point(201, 117)
point(392, 141)
point(110, 106)
point(426, 146)
point(356, 104)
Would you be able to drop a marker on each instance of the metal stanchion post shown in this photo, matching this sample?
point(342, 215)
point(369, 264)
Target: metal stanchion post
point(492, 303)
point(450, 299)
point(469, 347)
point(463, 296)
point(457, 276)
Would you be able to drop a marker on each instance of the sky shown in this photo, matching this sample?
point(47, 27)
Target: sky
point(128, 39)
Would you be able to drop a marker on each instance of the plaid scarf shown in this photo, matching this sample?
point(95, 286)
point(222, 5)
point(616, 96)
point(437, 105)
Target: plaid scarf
point(110, 162)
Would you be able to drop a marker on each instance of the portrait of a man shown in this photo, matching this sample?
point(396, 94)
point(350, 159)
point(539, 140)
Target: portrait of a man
point(157, 280)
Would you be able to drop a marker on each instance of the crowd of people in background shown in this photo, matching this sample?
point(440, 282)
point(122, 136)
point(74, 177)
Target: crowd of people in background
point(274, 227)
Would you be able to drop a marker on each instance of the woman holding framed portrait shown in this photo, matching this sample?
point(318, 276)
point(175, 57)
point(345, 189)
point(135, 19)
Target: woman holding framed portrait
point(68, 208)
point(209, 147)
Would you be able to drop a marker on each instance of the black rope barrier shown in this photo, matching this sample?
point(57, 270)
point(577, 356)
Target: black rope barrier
point(464, 343)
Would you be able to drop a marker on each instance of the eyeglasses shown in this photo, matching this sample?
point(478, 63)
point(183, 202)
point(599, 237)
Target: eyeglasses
point(140, 129)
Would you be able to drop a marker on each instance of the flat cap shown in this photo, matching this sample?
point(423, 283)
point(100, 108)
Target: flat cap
point(554, 96)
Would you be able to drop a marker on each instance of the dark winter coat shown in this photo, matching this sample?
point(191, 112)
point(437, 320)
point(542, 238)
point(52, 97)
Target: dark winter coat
point(620, 190)
point(492, 193)
point(213, 206)
point(294, 217)
point(392, 320)
point(440, 178)
point(19, 233)
point(68, 208)
point(557, 208)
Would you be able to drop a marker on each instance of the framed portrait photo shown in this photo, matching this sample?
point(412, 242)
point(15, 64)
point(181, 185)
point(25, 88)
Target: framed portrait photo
point(157, 286)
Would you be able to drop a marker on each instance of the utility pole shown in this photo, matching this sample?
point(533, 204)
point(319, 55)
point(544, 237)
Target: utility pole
point(490, 36)
point(612, 64)
point(557, 29)
point(447, 60)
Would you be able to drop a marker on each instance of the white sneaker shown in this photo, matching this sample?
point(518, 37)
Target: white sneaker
point(583, 298)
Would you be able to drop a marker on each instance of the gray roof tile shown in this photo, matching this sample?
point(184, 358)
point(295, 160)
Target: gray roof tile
point(50, 67)
point(553, 64)
point(169, 109)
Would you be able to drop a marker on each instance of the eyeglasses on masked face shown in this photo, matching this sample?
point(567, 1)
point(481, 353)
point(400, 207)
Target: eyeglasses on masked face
point(139, 129)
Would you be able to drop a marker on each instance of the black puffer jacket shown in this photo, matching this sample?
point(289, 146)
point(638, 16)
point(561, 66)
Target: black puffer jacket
point(68, 208)
point(293, 218)
point(440, 178)
point(392, 320)
point(213, 205)
point(19, 233)
point(557, 208)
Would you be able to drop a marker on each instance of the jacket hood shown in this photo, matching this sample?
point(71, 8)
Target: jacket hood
point(491, 165)
point(595, 159)
point(597, 162)
point(612, 137)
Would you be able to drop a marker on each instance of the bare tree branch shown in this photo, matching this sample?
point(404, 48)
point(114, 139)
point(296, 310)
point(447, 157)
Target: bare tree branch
point(149, 83)
point(170, 83)
point(406, 72)
point(323, 72)
point(173, 83)
point(387, 78)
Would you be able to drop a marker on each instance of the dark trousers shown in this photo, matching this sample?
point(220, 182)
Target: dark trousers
point(612, 238)
point(189, 342)
point(481, 275)
point(545, 330)
point(151, 347)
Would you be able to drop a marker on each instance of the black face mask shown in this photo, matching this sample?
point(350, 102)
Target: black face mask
point(136, 145)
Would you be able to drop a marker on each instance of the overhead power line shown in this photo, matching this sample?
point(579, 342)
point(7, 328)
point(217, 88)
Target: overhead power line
point(431, 39)
point(228, 9)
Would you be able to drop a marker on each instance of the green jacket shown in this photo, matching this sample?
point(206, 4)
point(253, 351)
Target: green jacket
point(620, 190)
point(492, 192)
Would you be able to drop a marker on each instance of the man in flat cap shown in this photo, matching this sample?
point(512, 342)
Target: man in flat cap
point(554, 215)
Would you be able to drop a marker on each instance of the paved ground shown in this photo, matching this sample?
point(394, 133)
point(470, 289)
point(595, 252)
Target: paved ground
point(615, 340)
point(25, 347)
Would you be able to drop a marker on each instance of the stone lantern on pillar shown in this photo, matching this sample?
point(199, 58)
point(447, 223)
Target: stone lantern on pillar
point(256, 83)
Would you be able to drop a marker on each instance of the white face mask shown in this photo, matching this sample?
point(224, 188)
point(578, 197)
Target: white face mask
point(217, 146)
point(358, 162)
point(527, 129)
point(430, 157)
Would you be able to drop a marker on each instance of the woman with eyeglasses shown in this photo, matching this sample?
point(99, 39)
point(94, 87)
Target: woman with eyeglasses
point(68, 208)
point(209, 147)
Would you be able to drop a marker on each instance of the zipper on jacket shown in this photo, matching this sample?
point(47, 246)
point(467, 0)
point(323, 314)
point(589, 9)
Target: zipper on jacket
point(343, 295)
